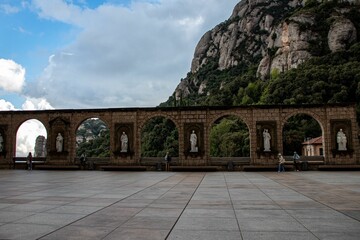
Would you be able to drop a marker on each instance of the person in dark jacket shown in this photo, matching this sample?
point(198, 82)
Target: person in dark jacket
point(167, 161)
point(296, 159)
point(29, 161)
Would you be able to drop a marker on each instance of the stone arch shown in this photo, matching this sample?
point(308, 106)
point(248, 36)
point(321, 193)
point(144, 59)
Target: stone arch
point(79, 123)
point(88, 116)
point(19, 151)
point(140, 138)
point(168, 116)
point(23, 120)
point(217, 119)
point(330, 117)
point(314, 115)
point(310, 114)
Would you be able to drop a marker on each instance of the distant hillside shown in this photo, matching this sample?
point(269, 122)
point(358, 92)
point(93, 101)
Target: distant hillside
point(277, 52)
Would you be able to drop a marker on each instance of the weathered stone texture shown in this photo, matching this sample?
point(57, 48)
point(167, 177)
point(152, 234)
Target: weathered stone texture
point(10, 121)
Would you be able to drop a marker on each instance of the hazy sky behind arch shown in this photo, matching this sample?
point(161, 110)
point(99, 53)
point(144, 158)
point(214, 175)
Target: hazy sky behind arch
point(26, 136)
point(93, 54)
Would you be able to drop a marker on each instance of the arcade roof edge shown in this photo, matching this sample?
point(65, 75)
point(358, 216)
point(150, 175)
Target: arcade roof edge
point(182, 108)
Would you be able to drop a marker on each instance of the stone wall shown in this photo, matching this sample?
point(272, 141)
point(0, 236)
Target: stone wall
point(200, 119)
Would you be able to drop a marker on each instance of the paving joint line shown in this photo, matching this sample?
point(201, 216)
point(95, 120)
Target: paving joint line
point(197, 187)
point(103, 208)
point(232, 205)
point(307, 195)
point(280, 206)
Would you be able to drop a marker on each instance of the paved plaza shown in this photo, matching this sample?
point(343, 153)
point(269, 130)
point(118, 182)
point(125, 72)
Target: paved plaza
point(179, 205)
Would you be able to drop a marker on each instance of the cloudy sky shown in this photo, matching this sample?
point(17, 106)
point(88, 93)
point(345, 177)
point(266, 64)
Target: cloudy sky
point(99, 53)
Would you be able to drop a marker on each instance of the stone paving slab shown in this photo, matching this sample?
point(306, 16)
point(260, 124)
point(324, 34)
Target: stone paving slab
point(50, 205)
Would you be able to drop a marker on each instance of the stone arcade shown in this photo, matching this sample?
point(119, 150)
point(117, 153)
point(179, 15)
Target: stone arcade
point(331, 119)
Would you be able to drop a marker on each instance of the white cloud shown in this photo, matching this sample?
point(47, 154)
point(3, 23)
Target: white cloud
point(5, 105)
point(29, 104)
point(12, 76)
point(29, 130)
point(22, 30)
point(124, 56)
point(36, 104)
point(58, 10)
point(26, 136)
point(8, 9)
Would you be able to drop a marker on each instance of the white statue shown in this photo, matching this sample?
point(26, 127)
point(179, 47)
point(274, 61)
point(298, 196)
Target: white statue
point(341, 140)
point(124, 142)
point(193, 142)
point(1, 143)
point(267, 137)
point(59, 143)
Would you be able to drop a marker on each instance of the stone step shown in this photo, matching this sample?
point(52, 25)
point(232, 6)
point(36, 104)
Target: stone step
point(123, 168)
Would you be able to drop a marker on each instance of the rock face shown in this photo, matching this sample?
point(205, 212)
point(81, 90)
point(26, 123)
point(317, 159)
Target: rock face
point(292, 45)
point(276, 32)
point(342, 32)
point(248, 33)
point(40, 146)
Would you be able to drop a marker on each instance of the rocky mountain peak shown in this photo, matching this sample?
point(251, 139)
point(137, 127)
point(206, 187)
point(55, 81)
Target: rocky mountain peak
point(243, 36)
point(277, 35)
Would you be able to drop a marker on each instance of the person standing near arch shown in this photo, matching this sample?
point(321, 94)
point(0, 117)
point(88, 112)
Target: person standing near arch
point(281, 167)
point(167, 161)
point(296, 160)
point(1, 143)
point(29, 161)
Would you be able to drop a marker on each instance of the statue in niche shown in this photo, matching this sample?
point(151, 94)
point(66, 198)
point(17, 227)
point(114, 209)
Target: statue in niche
point(1, 143)
point(267, 138)
point(341, 140)
point(124, 142)
point(193, 142)
point(59, 142)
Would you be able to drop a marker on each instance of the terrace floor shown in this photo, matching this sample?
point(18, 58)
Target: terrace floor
point(179, 205)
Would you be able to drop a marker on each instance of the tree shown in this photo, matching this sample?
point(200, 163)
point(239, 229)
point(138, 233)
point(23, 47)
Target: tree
point(297, 129)
point(229, 137)
point(159, 136)
point(95, 137)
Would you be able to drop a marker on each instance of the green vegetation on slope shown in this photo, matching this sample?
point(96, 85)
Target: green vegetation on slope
point(333, 78)
point(229, 138)
point(95, 139)
point(159, 136)
point(326, 78)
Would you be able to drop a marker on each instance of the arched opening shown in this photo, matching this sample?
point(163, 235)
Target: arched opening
point(302, 134)
point(93, 139)
point(31, 137)
point(229, 137)
point(159, 136)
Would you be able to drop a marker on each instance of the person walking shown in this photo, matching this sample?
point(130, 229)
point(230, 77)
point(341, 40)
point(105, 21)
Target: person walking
point(296, 159)
point(29, 161)
point(281, 167)
point(167, 161)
